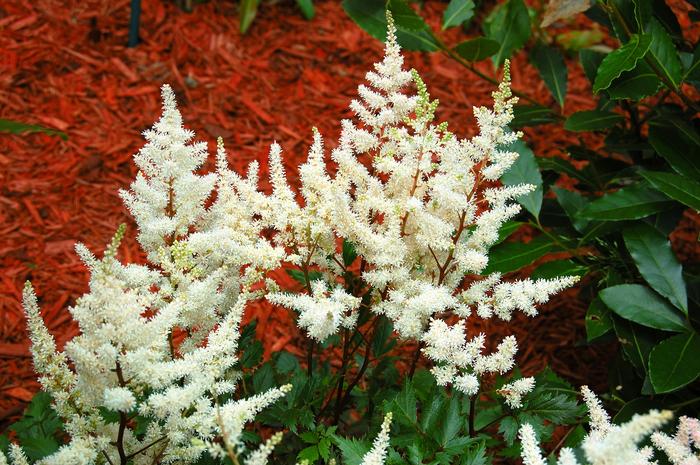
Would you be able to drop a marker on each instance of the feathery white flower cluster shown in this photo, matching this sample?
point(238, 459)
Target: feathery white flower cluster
point(610, 444)
point(377, 454)
point(420, 208)
point(203, 264)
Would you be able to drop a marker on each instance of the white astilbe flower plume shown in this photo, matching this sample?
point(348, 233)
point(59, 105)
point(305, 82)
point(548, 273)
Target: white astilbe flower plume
point(420, 209)
point(377, 454)
point(203, 264)
point(610, 444)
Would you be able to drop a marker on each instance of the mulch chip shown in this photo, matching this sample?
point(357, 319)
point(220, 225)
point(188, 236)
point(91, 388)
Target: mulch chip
point(64, 64)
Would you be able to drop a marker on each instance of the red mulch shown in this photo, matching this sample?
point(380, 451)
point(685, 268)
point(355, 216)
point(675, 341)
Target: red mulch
point(64, 64)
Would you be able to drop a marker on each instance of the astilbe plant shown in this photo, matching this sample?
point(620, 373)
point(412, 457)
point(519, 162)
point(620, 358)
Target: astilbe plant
point(401, 231)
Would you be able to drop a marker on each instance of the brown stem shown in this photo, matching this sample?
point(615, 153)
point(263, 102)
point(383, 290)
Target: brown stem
point(353, 383)
point(145, 448)
point(472, 415)
point(414, 361)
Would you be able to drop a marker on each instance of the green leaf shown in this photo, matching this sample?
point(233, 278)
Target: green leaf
point(592, 120)
point(531, 115)
point(432, 414)
point(247, 12)
point(477, 49)
point(451, 422)
point(678, 142)
point(664, 54)
point(507, 229)
point(38, 447)
point(370, 15)
point(406, 403)
point(636, 84)
point(572, 202)
point(525, 170)
point(309, 453)
point(557, 268)
point(674, 363)
point(623, 59)
point(286, 362)
point(353, 450)
point(509, 429)
point(307, 8)
point(598, 321)
point(509, 25)
point(641, 305)
point(629, 203)
point(511, 256)
point(550, 63)
point(590, 61)
point(636, 342)
point(557, 408)
point(657, 263)
point(457, 12)
point(677, 187)
point(349, 252)
point(15, 127)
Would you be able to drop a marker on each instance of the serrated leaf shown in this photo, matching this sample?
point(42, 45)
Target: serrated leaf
point(592, 120)
point(641, 305)
point(629, 203)
point(525, 170)
point(298, 276)
point(657, 263)
point(38, 447)
point(349, 252)
point(623, 59)
point(353, 450)
point(286, 362)
point(598, 321)
point(675, 186)
point(477, 49)
point(508, 25)
point(511, 256)
point(674, 363)
point(432, 413)
point(557, 408)
point(406, 403)
point(457, 12)
point(509, 429)
point(550, 63)
point(451, 422)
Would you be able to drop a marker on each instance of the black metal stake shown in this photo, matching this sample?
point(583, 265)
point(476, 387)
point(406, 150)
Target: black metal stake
point(134, 23)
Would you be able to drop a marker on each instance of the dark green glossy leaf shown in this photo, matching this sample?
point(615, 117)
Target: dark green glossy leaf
point(598, 321)
point(511, 256)
point(531, 115)
point(636, 342)
point(477, 49)
point(675, 186)
point(636, 84)
point(572, 202)
point(623, 59)
point(349, 253)
point(664, 54)
point(641, 305)
point(629, 203)
point(592, 120)
point(509, 25)
point(370, 15)
point(678, 142)
point(550, 63)
point(675, 363)
point(657, 263)
point(590, 61)
point(557, 268)
point(457, 12)
point(525, 170)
